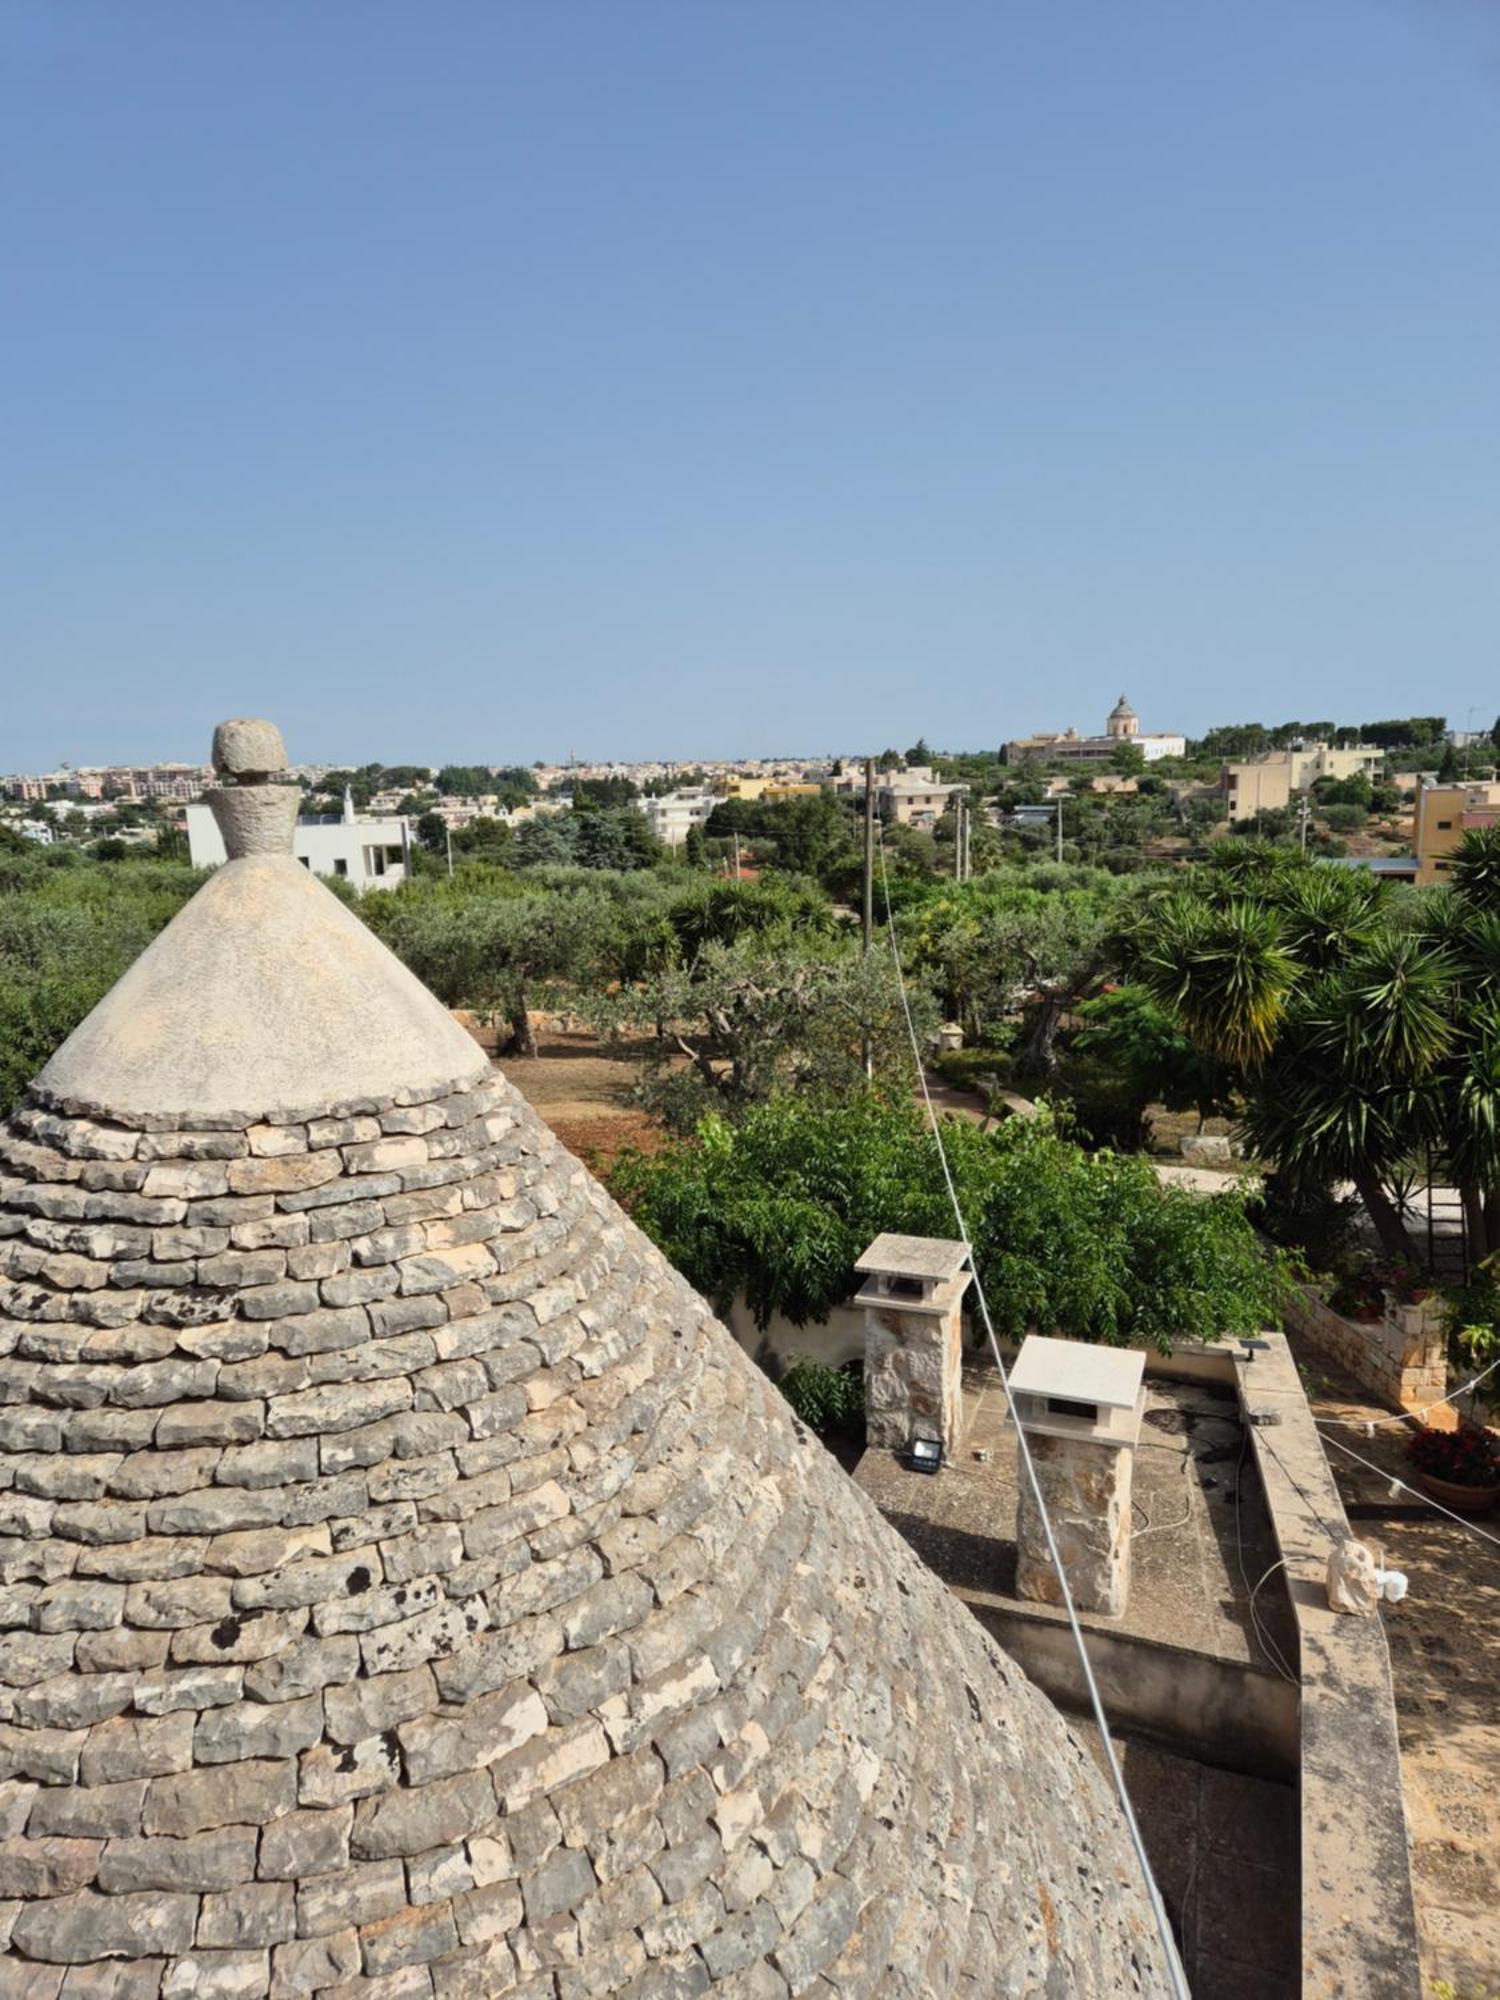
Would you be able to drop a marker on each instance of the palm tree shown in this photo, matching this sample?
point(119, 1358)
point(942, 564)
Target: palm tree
point(1354, 1088)
point(1366, 1028)
point(1224, 972)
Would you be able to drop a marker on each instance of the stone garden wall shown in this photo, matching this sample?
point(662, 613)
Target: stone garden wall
point(1400, 1358)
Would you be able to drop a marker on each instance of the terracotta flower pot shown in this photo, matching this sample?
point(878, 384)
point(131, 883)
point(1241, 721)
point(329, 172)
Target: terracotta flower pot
point(1462, 1499)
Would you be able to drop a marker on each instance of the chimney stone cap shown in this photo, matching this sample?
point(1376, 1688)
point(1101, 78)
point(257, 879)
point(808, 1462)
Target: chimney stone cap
point(931, 1257)
point(1079, 1369)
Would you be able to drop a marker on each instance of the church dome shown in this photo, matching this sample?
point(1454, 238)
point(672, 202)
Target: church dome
point(1123, 720)
point(411, 1589)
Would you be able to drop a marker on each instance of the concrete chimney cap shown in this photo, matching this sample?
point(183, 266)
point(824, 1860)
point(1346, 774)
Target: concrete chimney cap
point(247, 748)
point(933, 1257)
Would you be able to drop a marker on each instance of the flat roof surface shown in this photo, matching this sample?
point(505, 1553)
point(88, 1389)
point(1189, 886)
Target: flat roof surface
point(1108, 1375)
point(1188, 1587)
point(914, 1257)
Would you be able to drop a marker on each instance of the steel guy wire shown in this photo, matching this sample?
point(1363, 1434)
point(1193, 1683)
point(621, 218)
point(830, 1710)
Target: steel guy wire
point(1096, 1701)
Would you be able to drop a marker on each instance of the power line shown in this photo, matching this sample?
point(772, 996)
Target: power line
point(1369, 1425)
point(1426, 1498)
point(1153, 1894)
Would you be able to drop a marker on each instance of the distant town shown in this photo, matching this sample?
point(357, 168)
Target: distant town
point(1393, 796)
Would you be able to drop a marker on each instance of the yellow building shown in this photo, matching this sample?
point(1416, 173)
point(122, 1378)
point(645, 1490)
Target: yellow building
point(1257, 786)
point(1444, 814)
point(737, 785)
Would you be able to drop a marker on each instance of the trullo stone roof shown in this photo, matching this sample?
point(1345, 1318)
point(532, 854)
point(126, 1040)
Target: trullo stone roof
point(410, 1589)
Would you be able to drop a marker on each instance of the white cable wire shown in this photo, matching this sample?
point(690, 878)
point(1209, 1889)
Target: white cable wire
point(1189, 1464)
point(1368, 1424)
point(1280, 1563)
point(1272, 1651)
point(1158, 1908)
point(1426, 1498)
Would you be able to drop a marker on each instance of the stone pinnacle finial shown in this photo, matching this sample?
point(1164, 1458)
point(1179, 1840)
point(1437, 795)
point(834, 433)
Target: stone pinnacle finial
point(247, 750)
point(255, 808)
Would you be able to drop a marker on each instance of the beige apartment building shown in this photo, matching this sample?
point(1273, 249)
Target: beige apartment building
point(739, 785)
point(1443, 815)
point(1268, 784)
point(1261, 786)
point(913, 797)
point(909, 797)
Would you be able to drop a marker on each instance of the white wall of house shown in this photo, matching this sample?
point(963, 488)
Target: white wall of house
point(366, 853)
point(672, 816)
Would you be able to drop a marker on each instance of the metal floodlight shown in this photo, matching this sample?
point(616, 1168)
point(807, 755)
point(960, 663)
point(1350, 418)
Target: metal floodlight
point(1251, 1347)
point(925, 1454)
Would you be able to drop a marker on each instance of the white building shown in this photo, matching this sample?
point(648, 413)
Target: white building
point(674, 815)
point(912, 797)
point(366, 853)
point(1122, 725)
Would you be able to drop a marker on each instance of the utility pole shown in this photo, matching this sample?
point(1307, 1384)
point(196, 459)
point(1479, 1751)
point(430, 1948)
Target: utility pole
point(1304, 814)
point(1059, 829)
point(958, 839)
point(736, 857)
point(867, 912)
point(867, 924)
point(448, 836)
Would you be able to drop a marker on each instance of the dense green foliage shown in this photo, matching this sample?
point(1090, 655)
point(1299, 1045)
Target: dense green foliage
point(778, 1205)
point(1251, 739)
point(826, 1399)
point(746, 1021)
point(1014, 946)
point(1364, 1021)
point(68, 929)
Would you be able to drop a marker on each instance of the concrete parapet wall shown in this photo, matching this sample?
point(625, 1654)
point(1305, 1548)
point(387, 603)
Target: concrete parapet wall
point(1218, 1711)
point(1359, 1931)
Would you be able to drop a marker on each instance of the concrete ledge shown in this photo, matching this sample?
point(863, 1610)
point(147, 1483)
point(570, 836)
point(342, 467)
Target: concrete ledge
point(1212, 1710)
point(1359, 1930)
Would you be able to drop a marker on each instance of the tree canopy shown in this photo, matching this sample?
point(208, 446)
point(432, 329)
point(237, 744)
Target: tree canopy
point(777, 1205)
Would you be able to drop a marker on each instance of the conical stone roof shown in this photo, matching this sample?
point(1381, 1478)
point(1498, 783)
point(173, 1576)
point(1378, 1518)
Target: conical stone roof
point(411, 1590)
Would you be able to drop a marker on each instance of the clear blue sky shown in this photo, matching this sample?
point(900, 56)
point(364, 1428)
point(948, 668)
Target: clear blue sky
point(494, 379)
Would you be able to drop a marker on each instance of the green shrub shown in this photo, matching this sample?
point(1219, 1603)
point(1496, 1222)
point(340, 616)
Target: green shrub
point(826, 1399)
point(967, 1069)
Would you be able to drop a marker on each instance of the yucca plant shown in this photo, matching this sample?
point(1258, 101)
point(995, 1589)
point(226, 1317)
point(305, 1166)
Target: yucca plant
point(1223, 971)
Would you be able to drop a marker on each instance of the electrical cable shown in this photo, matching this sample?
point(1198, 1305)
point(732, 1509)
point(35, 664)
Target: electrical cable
point(1369, 1425)
point(1426, 1498)
point(1164, 1527)
point(1267, 1645)
point(1096, 1702)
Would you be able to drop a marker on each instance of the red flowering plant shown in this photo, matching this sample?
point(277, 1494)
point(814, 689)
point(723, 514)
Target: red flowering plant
point(1465, 1457)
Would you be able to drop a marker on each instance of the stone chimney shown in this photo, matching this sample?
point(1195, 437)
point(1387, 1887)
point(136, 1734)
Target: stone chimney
point(913, 1301)
point(1081, 1406)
